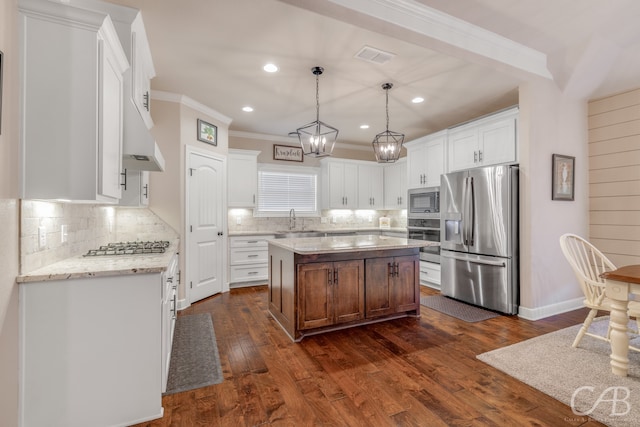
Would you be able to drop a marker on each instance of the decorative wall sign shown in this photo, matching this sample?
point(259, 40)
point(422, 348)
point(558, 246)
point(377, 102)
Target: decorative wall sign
point(287, 152)
point(207, 132)
point(562, 180)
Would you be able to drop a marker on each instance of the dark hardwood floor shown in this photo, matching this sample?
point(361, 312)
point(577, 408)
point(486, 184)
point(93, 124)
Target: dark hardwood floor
point(405, 372)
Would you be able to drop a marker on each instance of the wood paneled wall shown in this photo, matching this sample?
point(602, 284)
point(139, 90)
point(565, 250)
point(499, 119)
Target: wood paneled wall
point(614, 176)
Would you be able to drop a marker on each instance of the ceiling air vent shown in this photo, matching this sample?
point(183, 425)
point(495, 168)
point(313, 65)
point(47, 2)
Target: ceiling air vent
point(371, 54)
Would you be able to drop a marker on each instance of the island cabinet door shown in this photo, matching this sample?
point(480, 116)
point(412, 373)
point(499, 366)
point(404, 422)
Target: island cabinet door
point(348, 290)
point(378, 286)
point(406, 281)
point(315, 295)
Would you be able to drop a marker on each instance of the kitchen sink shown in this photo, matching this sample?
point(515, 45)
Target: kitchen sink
point(294, 234)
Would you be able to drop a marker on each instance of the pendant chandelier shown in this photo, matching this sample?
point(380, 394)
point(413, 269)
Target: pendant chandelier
point(387, 144)
point(317, 138)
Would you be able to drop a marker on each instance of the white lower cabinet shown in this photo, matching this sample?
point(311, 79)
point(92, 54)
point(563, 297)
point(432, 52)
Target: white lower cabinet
point(169, 315)
point(430, 274)
point(248, 259)
point(90, 351)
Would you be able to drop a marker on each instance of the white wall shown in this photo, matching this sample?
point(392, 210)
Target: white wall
point(175, 129)
point(549, 123)
point(9, 219)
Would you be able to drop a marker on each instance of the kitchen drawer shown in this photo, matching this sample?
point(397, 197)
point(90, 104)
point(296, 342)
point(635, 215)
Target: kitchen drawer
point(249, 241)
point(248, 273)
point(248, 256)
point(429, 273)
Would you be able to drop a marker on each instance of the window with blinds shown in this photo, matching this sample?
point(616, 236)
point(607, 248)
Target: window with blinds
point(281, 190)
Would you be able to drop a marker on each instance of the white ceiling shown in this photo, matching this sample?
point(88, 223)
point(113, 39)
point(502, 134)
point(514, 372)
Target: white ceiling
point(213, 52)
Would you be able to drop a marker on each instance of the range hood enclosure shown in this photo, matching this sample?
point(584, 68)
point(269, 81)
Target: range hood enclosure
point(140, 150)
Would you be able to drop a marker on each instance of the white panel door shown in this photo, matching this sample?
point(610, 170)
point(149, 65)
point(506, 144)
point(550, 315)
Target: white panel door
point(206, 226)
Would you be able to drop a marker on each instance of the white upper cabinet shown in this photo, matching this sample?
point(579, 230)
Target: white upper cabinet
point(71, 66)
point(483, 142)
point(242, 178)
point(425, 160)
point(135, 188)
point(370, 186)
point(339, 184)
point(395, 185)
point(142, 70)
point(140, 150)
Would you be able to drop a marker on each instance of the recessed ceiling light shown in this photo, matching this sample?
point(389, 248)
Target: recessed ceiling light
point(270, 68)
point(417, 100)
point(247, 109)
point(364, 126)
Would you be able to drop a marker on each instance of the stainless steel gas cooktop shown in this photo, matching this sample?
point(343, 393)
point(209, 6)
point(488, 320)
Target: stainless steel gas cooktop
point(130, 248)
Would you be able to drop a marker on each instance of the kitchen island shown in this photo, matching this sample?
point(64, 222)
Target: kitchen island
point(320, 284)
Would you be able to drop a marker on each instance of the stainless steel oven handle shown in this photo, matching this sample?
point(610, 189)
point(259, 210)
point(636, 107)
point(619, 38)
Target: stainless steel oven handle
point(423, 228)
point(473, 260)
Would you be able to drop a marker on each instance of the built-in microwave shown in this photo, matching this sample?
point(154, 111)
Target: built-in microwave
point(423, 202)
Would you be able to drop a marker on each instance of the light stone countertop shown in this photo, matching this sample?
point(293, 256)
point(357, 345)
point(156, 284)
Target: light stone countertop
point(338, 244)
point(108, 265)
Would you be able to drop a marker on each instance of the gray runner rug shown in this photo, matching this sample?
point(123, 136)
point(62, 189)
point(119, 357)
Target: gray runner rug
point(549, 363)
point(457, 309)
point(195, 361)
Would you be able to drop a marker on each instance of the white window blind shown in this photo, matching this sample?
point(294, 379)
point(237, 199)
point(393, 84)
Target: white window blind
point(281, 191)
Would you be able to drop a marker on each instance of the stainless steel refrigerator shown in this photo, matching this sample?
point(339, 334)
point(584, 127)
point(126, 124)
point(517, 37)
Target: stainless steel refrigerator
point(479, 237)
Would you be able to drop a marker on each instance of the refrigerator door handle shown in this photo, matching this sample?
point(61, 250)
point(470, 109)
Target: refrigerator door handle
point(465, 239)
point(471, 214)
point(473, 260)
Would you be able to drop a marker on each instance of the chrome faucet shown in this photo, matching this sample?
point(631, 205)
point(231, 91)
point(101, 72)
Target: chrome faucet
point(292, 219)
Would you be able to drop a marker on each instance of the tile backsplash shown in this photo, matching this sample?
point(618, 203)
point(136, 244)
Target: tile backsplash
point(87, 227)
point(242, 220)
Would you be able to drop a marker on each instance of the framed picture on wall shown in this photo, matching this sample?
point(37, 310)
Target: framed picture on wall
point(207, 132)
point(562, 180)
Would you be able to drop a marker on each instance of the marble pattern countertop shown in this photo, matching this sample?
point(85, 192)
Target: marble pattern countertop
point(109, 265)
point(328, 231)
point(337, 244)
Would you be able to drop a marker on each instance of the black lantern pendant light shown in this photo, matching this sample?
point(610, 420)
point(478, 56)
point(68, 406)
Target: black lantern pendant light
point(387, 144)
point(317, 138)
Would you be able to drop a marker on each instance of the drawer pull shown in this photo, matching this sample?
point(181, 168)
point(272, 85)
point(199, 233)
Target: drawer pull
point(252, 272)
point(252, 241)
point(252, 256)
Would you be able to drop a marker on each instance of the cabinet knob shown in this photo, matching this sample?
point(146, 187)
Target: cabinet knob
point(220, 233)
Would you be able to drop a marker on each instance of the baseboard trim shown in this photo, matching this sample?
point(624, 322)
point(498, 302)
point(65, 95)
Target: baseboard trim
point(538, 313)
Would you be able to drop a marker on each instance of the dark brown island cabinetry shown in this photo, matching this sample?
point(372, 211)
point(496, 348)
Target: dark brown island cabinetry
point(311, 293)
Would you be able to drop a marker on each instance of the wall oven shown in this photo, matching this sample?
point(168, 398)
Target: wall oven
point(426, 228)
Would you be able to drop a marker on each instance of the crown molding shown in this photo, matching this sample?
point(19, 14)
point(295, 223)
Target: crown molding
point(429, 22)
point(191, 103)
point(290, 140)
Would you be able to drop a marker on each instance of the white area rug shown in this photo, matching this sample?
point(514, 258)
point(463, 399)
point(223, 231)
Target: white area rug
point(582, 375)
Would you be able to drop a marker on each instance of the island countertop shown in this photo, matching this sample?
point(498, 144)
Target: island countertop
point(339, 244)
